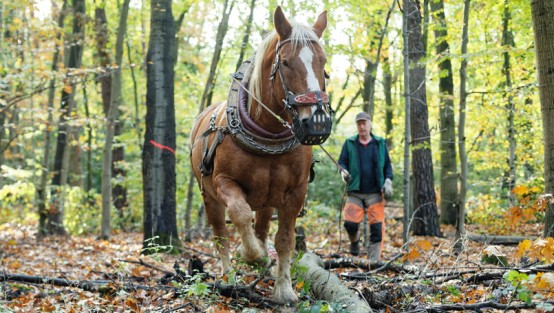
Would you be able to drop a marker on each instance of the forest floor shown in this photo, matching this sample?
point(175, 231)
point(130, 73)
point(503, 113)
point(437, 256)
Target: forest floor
point(113, 276)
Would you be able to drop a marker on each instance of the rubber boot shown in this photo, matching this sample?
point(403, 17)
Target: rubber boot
point(374, 251)
point(355, 248)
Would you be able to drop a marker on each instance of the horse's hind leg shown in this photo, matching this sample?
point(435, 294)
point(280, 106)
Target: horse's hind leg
point(240, 214)
point(215, 213)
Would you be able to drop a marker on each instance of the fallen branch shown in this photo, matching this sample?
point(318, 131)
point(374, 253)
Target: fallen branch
point(327, 286)
point(106, 286)
point(365, 265)
point(499, 240)
point(478, 306)
point(102, 286)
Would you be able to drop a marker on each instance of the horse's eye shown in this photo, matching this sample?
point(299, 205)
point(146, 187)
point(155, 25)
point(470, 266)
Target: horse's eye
point(285, 63)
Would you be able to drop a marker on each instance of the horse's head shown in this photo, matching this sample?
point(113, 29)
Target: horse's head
point(295, 61)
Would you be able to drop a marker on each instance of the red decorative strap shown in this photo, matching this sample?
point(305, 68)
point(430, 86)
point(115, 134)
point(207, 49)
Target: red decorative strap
point(310, 98)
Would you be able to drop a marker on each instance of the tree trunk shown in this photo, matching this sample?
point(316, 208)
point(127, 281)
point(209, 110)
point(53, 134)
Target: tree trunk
point(387, 89)
point(45, 171)
point(425, 215)
point(369, 86)
point(54, 220)
point(158, 166)
point(449, 179)
point(407, 132)
point(212, 77)
point(508, 43)
point(460, 219)
point(370, 73)
point(119, 192)
point(111, 127)
point(244, 44)
point(543, 29)
point(2, 103)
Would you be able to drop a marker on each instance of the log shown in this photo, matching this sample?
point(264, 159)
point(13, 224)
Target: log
point(499, 240)
point(327, 286)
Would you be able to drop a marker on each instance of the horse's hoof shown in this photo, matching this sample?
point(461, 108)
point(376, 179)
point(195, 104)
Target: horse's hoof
point(285, 296)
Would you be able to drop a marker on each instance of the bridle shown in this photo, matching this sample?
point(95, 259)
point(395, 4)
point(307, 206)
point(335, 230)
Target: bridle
point(317, 128)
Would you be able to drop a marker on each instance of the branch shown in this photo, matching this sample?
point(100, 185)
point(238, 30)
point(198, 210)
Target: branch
point(478, 306)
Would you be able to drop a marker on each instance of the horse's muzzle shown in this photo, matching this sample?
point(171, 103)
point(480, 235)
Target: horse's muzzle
point(317, 128)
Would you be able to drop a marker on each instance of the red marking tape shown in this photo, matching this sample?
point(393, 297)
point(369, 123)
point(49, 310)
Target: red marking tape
point(162, 147)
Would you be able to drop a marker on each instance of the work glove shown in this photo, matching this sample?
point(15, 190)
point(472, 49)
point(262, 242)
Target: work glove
point(388, 187)
point(345, 176)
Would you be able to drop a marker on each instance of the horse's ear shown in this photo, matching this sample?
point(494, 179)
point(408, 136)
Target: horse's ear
point(282, 25)
point(320, 24)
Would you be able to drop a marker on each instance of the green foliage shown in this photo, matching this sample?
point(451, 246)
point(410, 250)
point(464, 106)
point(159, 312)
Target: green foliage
point(197, 288)
point(517, 280)
point(453, 290)
point(319, 306)
point(154, 249)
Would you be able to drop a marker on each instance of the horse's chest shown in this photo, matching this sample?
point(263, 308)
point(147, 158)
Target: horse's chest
point(274, 185)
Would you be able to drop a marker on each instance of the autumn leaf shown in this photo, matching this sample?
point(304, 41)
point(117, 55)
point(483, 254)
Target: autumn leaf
point(523, 247)
point(68, 89)
point(424, 245)
point(412, 255)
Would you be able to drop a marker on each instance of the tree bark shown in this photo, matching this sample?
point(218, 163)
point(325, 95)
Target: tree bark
point(508, 43)
point(387, 89)
point(460, 218)
point(426, 222)
point(543, 30)
point(54, 220)
point(111, 128)
point(158, 167)
point(407, 116)
point(448, 171)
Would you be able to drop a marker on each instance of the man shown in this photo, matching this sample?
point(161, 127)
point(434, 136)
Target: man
point(368, 172)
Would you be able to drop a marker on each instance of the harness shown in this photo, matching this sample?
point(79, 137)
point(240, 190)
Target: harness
point(243, 129)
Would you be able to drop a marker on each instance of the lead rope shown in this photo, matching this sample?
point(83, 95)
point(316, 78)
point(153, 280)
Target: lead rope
point(343, 197)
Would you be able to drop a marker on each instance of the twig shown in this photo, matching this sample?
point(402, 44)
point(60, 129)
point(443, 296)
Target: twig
point(263, 275)
point(196, 309)
point(141, 262)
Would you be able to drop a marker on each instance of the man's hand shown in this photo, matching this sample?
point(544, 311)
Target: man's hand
point(345, 176)
point(388, 187)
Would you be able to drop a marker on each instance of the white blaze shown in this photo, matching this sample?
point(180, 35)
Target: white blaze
point(307, 56)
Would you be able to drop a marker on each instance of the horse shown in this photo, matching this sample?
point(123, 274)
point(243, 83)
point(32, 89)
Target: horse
point(253, 153)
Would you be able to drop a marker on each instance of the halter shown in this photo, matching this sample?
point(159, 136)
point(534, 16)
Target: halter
point(317, 128)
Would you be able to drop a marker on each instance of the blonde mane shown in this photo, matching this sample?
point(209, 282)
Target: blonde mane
point(301, 35)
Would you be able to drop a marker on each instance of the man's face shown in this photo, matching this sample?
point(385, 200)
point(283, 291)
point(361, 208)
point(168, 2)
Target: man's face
point(364, 127)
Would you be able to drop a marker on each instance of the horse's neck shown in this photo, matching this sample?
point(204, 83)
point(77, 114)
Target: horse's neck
point(266, 115)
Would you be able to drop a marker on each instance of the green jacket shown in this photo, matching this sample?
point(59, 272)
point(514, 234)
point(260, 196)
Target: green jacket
point(353, 165)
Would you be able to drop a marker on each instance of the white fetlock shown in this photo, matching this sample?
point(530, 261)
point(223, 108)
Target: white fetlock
point(284, 294)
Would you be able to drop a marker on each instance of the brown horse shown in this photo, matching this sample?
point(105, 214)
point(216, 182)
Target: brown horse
point(253, 154)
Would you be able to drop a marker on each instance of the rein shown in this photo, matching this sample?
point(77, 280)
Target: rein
point(280, 119)
point(343, 197)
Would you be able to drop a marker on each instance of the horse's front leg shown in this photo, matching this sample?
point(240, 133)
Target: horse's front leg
point(240, 214)
point(262, 222)
point(284, 244)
